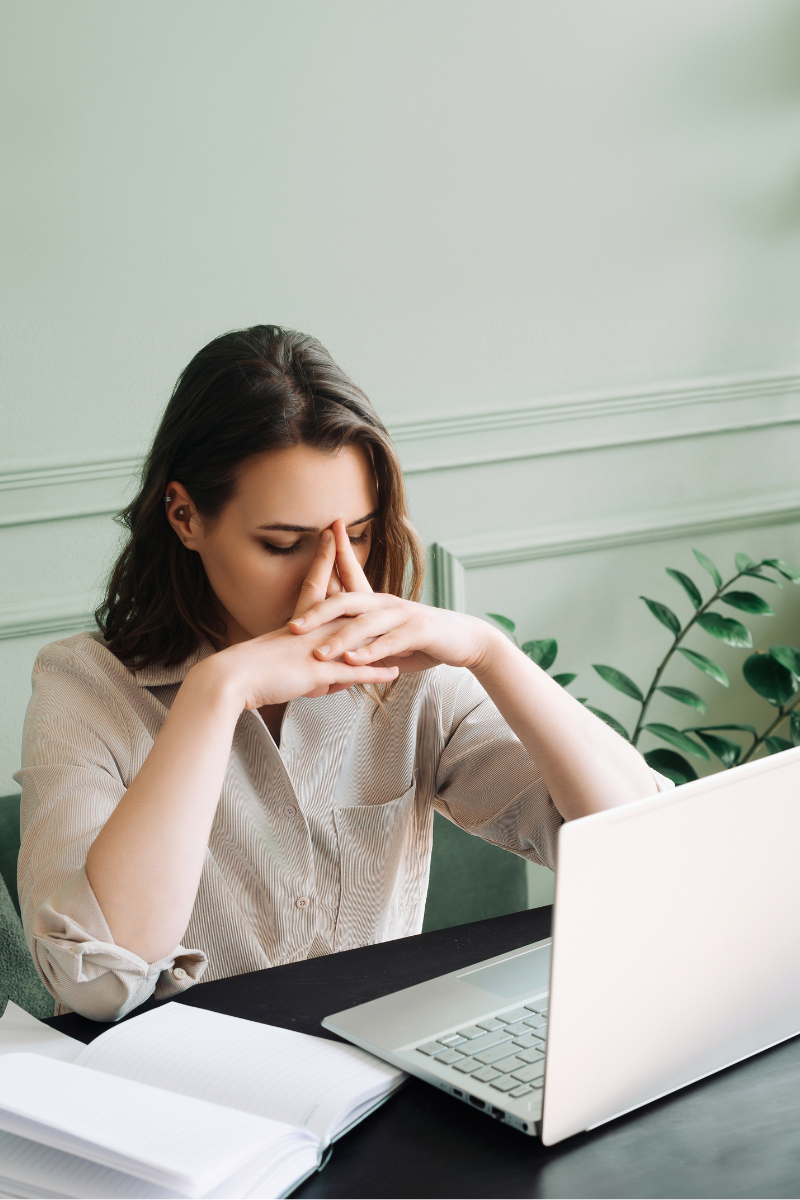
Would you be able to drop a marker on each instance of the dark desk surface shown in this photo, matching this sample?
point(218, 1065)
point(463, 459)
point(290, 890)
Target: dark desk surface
point(735, 1134)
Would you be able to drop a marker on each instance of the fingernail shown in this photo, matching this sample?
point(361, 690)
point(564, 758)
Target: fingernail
point(324, 650)
point(297, 621)
point(325, 536)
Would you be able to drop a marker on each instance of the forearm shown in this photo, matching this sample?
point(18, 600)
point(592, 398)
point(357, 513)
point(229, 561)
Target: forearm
point(144, 866)
point(586, 765)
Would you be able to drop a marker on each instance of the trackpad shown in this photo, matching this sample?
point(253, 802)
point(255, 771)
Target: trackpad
point(528, 972)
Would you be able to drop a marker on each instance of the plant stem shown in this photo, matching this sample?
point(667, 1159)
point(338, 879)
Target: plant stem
point(783, 713)
point(674, 647)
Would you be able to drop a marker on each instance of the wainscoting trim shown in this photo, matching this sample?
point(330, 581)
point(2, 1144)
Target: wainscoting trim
point(50, 490)
point(40, 618)
point(452, 559)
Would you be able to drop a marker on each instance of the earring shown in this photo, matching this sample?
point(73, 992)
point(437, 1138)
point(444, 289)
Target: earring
point(167, 499)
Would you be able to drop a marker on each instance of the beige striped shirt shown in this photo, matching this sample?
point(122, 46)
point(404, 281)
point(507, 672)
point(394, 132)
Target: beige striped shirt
point(319, 845)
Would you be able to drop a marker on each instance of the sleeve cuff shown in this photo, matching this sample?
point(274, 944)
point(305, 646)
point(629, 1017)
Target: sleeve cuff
point(84, 968)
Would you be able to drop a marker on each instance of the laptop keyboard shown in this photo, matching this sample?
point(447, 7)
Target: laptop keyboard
point(506, 1051)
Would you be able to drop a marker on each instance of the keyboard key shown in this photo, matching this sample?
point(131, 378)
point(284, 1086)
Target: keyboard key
point(493, 1054)
point(430, 1048)
point(503, 1085)
point(537, 1006)
point(452, 1039)
point(536, 1021)
point(528, 1074)
point(517, 1028)
point(527, 1041)
point(472, 1031)
point(489, 1039)
point(490, 1024)
point(512, 1063)
point(467, 1065)
point(516, 1014)
point(530, 1056)
point(448, 1057)
point(486, 1074)
point(524, 1089)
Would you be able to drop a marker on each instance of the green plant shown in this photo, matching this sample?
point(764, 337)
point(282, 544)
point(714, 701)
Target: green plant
point(774, 674)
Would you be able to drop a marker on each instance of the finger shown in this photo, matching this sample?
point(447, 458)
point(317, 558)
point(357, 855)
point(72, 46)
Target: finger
point(344, 604)
point(348, 566)
point(359, 632)
point(334, 583)
point(395, 644)
point(315, 585)
point(349, 675)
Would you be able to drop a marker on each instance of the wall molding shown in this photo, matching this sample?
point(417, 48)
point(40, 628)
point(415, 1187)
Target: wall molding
point(41, 490)
point(451, 560)
point(41, 618)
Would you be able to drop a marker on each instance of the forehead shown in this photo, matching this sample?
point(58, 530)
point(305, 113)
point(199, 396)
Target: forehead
point(306, 486)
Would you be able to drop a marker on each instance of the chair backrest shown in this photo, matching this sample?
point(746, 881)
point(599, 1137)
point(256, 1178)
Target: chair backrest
point(18, 978)
point(471, 879)
point(9, 844)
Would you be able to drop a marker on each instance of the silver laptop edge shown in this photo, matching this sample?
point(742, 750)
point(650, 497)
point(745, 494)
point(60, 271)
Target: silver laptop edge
point(673, 956)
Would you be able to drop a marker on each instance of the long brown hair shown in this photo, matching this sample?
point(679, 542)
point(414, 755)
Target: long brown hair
point(246, 392)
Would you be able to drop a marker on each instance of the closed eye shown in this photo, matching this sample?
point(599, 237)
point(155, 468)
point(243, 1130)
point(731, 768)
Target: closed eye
point(361, 540)
point(268, 546)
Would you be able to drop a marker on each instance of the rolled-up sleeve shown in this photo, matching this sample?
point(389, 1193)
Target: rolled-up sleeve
point(75, 758)
point(486, 781)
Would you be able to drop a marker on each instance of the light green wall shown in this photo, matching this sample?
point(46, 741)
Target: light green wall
point(481, 208)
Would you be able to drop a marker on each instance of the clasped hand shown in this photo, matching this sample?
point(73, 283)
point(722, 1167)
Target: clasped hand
point(342, 634)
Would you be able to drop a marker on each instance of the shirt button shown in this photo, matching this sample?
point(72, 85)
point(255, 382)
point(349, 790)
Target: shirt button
point(302, 902)
point(289, 809)
point(178, 973)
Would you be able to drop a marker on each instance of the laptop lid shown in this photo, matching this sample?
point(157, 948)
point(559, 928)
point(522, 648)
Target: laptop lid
point(675, 945)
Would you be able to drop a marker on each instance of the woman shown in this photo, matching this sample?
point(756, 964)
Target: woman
point(241, 769)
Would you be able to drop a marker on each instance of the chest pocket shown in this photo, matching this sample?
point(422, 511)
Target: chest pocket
point(384, 855)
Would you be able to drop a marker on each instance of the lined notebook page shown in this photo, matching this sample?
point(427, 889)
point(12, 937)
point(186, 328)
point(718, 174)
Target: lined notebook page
point(183, 1143)
point(261, 1069)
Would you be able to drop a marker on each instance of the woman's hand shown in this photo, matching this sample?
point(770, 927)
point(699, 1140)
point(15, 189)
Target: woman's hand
point(280, 666)
point(384, 629)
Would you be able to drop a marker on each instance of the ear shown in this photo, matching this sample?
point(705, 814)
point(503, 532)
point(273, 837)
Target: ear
point(182, 514)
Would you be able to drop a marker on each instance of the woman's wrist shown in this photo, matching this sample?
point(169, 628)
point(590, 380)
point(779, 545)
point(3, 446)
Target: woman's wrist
point(492, 649)
point(214, 684)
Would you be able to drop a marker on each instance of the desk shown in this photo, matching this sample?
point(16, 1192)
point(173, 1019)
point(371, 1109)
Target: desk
point(735, 1134)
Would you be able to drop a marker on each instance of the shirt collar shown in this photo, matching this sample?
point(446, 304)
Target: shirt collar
point(157, 675)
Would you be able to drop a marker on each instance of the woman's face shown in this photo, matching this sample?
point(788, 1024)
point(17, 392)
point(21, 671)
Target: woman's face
point(258, 552)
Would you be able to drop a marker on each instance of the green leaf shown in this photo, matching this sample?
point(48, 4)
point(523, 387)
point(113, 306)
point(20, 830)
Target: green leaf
point(685, 697)
point(504, 622)
point(581, 699)
point(727, 751)
point(743, 728)
point(787, 656)
point(566, 679)
point(706, 665)
point(663, 614)
point(776, 745)
point(542, 652)
point(732, 633)
point(619, 681)
point(769, 678)
point(688, 585)
point(612, 721)
point(670, 764)
point(748, 602)
point(745, 563)
point(786, 569)
point(668, 733)
point(794, 727)
point(707, 565)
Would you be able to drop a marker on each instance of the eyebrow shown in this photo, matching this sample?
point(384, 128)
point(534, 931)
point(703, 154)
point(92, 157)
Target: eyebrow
point(314, 528)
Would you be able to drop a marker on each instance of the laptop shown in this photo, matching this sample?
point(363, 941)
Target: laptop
point(675, 953)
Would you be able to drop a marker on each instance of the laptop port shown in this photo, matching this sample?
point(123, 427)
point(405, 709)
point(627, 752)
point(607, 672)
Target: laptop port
point(498, 1112)
point(456, 1092)
point(478, 1103)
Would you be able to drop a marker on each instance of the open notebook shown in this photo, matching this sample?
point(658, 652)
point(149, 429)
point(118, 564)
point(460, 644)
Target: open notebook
point(181, 1102)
